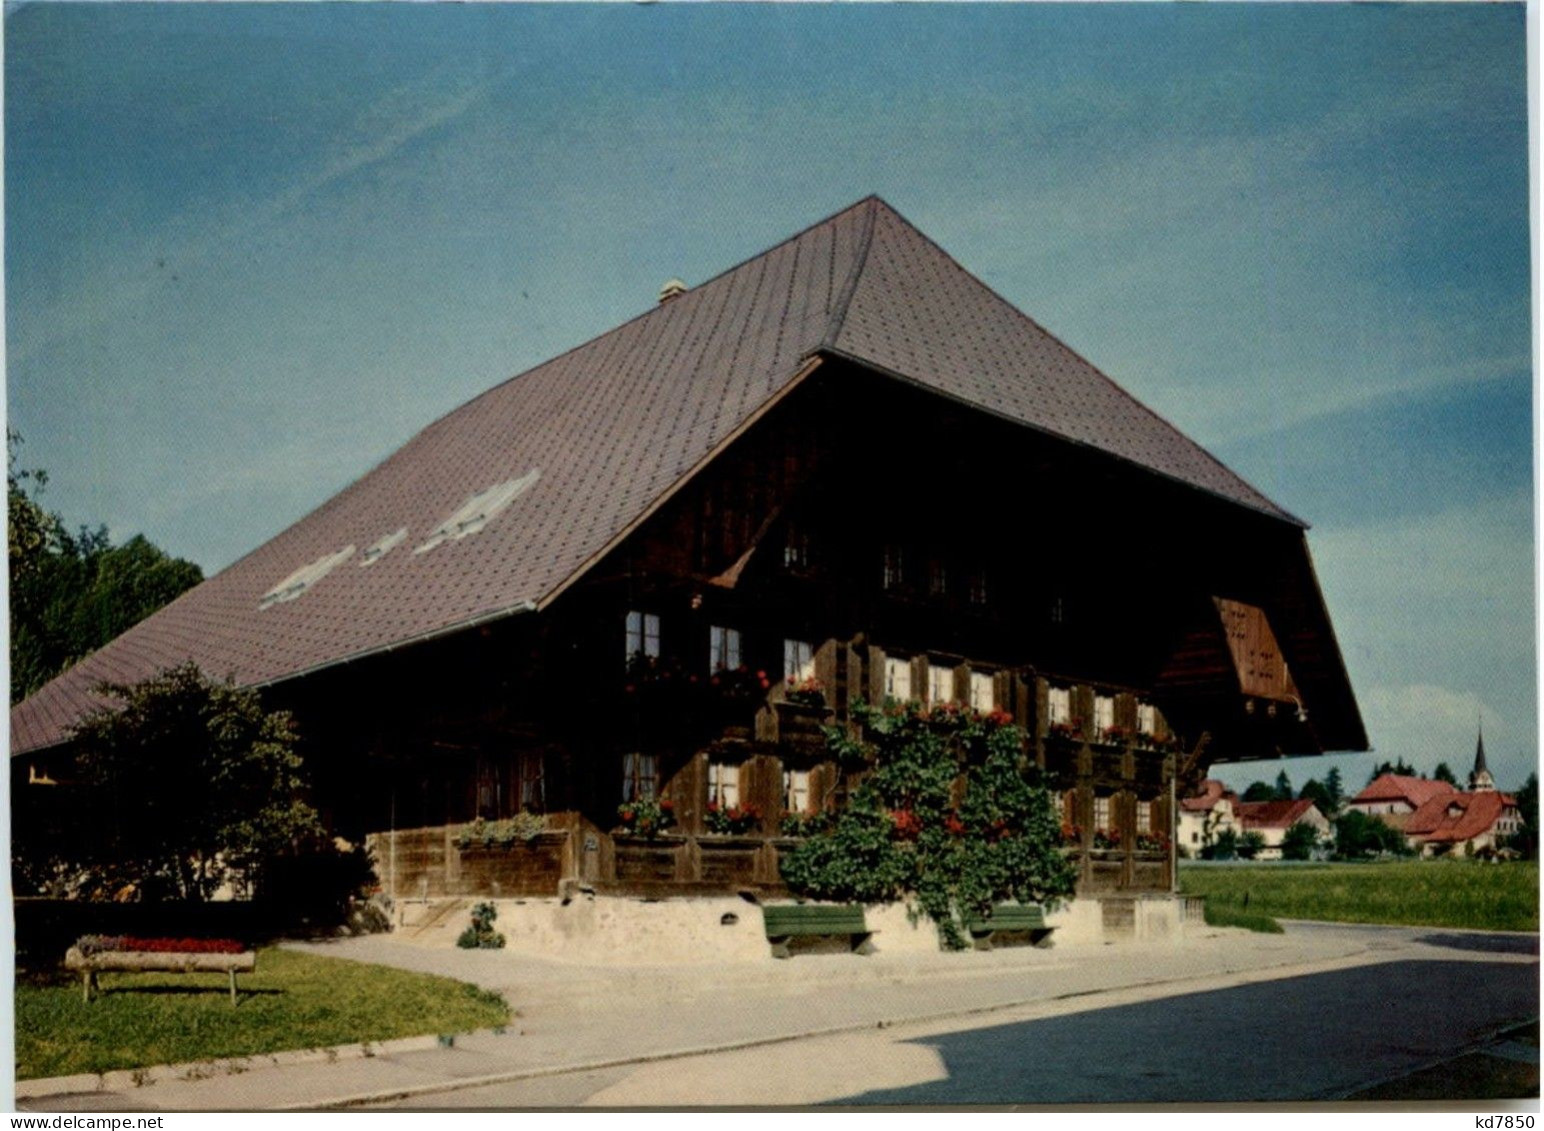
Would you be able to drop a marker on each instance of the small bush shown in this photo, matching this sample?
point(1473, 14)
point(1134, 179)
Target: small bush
point(481, 935)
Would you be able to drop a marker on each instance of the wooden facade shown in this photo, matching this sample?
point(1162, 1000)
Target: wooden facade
point(933, 546)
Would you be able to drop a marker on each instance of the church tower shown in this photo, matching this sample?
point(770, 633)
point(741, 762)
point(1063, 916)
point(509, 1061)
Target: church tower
point(1479, 778)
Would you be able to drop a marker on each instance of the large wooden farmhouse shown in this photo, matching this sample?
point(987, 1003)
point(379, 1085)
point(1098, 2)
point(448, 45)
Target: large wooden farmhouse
point(845, 460)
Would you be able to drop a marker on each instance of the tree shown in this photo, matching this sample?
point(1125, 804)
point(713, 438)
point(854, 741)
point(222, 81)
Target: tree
point(1319, 795)
point(1444, 773)
point(1283, 790)
point(192, 787)
point(1299, 842)
point(1334, 790)
point(1224, 848)
point(908, 832)
point(1259, 791)
point(1401, 767)
point(72, 593)
point(1359, 835)
point(1250, 844)
point(1526, 839)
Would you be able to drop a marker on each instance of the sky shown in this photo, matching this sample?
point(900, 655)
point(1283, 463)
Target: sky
point(250, 250)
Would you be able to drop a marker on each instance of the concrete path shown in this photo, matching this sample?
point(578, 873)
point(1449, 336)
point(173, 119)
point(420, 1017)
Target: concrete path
point(916, 1028)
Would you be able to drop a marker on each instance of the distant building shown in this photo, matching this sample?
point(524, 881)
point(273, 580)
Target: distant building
point(1272, 819)
point(1206, 816)
point(1438, 819)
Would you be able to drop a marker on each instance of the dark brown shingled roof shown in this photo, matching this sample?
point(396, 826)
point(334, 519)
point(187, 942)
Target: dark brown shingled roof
point(612, 426)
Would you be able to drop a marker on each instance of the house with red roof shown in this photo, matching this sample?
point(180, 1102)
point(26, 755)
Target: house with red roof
point(1436, 817)
point(1206, 815)
point(646, 572)
point(1272, 819)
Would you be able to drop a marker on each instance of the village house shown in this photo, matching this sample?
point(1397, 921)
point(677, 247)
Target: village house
point(1206, 815)
point(1437, 818)
point(651, 569)
point(1272, 819)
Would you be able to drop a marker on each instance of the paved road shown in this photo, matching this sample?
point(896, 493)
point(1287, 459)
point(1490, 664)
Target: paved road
point(1319, 1012)
point(1316, 1036)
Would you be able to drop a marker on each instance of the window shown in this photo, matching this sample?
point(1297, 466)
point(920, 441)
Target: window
point(897, 678)
point(479, 510)
point(796, 791)
point(940, 684)
point(642, 635)
point(895, 568)
point(798, 660)
point(303, 578)
point(977, 588)
point(1104, 713)
point(1101, 812)
point(1147, 718)
point(640, 777)
point(937, 578)
point(723, 649)
point(1144, 816)
point(723, 785)
point(533, 793)
point(1058, 611)
point(796, 549)
point(982, 694)
point(1059, 705)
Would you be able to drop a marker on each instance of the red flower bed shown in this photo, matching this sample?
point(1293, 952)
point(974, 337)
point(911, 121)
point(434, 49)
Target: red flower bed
point(98, 944)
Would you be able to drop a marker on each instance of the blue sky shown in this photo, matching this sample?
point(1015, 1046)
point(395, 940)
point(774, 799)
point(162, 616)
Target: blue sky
point(252, 249)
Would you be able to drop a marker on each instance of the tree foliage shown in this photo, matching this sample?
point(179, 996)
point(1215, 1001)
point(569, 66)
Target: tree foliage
point(72, 593)
point(1259, 791)
point(193, 786)
point(1299, 842)
point(1283, 790)
point(1526, 839)
point(1319, 794)
point(1334, 790)
point(1359, 835)
point(1250, 844)
point(1444, 772)
point(1401, 767)
point(910, 831)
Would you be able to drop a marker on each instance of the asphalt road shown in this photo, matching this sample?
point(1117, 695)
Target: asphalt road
point(1319, 1036)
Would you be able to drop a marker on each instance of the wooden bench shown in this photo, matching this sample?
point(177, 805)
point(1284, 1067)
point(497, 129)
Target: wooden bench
point(1018, 919)
point(169, 962)
point(787, 922)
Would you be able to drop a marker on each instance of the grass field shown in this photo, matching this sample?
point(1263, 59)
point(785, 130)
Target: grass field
point(292, 1001)
point(1424, 893)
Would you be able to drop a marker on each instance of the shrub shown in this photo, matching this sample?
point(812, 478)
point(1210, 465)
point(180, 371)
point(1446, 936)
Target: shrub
point(481, 935)
point(901, 835)
point(1299, 842)
point(1250, 845)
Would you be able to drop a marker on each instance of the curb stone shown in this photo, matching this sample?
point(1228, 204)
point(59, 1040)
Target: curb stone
point(125, 1079)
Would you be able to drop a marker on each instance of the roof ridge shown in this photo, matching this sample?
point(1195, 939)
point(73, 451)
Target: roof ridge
point(860, 261)
point(1279, 510)
point(870, 199)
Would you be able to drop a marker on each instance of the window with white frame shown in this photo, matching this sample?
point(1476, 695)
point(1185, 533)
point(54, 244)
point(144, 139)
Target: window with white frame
point(723, 784)
point(796, 549)
point(937, 578)
point(978, 590)
point(723, 648)
point(897, 678)
point(796, 791)
point(530, 767)
point(1147, 718)
point(1058, 705)
point(1101, 812)
point(1144, 816)
point(798, 660)
point(640, 777)
point(1104, 713)
point(894, 568)
point(983, 695)
point(642, 635)
point(940, 684)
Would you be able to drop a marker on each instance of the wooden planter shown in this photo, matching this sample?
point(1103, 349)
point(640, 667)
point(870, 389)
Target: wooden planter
point(643, 860)
point(521, 868)
point(799, 727)
point(728, 860)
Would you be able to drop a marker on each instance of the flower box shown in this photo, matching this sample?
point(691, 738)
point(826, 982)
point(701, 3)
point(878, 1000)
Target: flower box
point(801, 724)
point(94, 954)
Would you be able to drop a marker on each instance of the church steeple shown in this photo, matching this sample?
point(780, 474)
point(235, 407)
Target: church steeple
point(1479, 778)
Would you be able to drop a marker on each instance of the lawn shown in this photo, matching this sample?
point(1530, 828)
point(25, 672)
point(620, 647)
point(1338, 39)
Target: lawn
point(292, 1001)
point(1423, 893)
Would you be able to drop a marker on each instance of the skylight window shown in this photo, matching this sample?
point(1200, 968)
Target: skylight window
point(481, 509)
point(382, 547)
point(304, 578)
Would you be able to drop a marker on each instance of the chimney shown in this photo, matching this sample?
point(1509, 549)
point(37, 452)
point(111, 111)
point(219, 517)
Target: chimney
point(671, 288)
